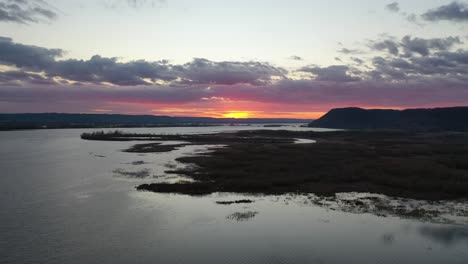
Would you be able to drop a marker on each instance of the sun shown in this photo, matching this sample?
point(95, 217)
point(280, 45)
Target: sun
point(235, 114)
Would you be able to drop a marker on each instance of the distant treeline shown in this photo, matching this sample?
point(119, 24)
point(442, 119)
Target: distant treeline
point(102, 135)
point(118, 135)
point(58, 120)
point(452, 118)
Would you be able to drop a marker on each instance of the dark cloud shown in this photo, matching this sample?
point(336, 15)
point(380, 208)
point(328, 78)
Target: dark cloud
point(202, 71)
point(99, 69)
point(334, 73)
point(413, 45)
point(26, 56)
point(410, 17)
point(108, 70)
point(424, 46)
point(357, 60)
point(438, 77)
point(455, 11)
point(26, 12)
point(413, 18)
point(349, 51)
point(388, 45)
point(445, 65)
point(199, 71)
point(17, 77)
point(294, 57)
point(460, 57)
point(410, 59)
point(393, 7)
point(384, 69)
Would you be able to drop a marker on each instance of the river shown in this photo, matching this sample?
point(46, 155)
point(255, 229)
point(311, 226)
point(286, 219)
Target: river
point(66, 200)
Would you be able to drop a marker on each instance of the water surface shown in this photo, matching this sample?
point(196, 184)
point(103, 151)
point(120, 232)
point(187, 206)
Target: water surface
point(63, 202)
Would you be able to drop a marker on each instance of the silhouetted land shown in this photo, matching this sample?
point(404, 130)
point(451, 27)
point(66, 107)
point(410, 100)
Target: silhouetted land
point(423, 165)
point(58, 120)
point(221, 138)
point(442, 119)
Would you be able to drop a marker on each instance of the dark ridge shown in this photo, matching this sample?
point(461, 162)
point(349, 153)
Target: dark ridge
point(59, 120)
point(452, 118)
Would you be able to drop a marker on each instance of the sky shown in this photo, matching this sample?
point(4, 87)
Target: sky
point(256, 58)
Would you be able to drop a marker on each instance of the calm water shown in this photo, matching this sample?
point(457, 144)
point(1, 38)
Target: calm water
point(63, 202)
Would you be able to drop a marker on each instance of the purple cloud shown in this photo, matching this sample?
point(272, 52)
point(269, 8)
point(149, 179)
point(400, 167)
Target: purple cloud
point(38, 77)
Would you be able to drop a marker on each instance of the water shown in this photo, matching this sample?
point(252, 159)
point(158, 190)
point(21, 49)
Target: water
point(62, 202)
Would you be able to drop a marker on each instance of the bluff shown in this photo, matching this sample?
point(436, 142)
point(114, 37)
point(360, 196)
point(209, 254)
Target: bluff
point(450, 118)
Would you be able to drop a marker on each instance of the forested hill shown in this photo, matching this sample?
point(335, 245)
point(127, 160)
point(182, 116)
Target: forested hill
point(452, 118)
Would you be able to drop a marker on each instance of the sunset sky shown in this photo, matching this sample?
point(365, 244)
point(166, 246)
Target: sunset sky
point(256, 58)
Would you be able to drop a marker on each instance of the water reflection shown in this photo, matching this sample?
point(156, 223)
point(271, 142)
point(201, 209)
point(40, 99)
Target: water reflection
point(140, 174)
point(446, 235)
point(388, 239)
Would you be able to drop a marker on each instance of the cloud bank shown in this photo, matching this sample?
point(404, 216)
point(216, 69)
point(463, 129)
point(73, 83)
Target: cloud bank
point(455, 11)
point(389, 72)
point(26, 11)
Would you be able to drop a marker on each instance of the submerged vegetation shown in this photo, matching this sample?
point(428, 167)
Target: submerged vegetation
point(144, 173)
point(242, 216)
point(153, 148)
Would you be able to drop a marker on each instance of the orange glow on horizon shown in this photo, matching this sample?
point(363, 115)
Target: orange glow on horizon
point(237, 114)
point(238, 110)
point(227, 109)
